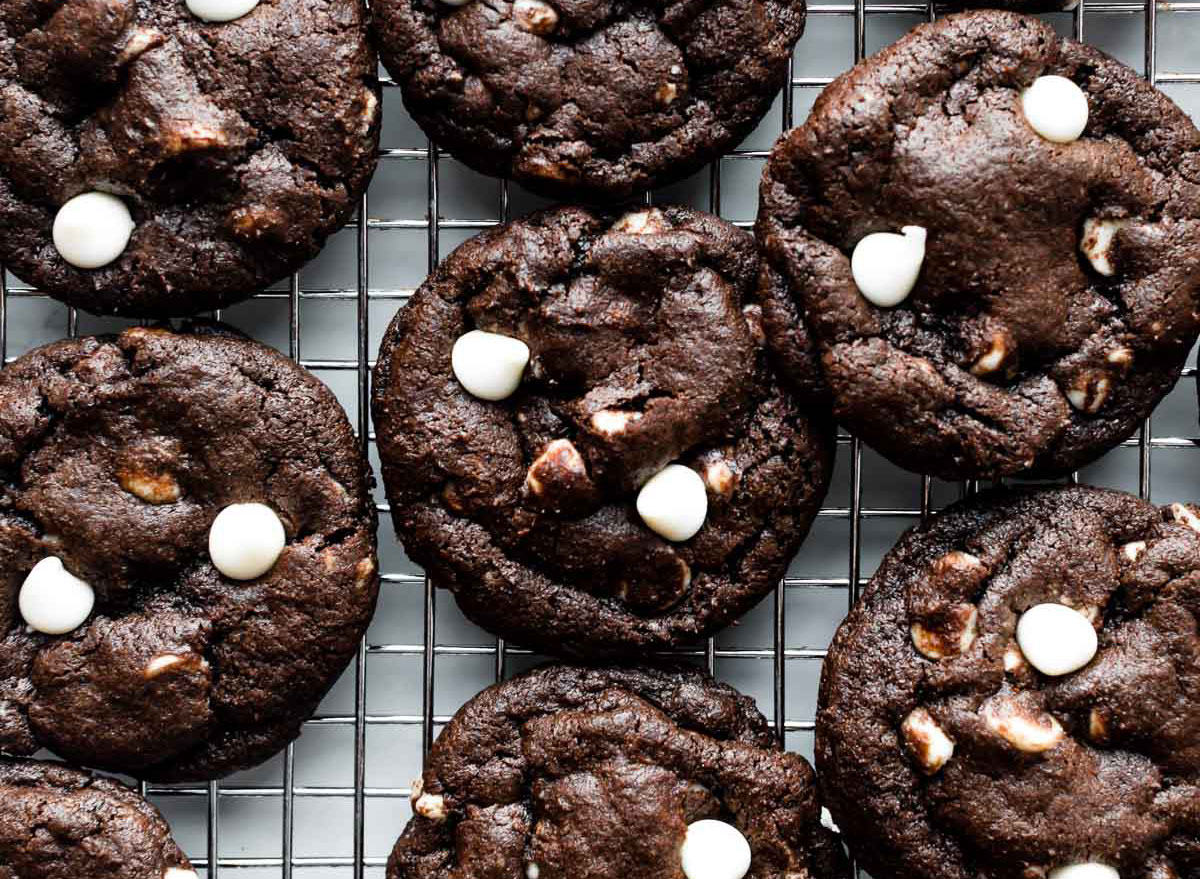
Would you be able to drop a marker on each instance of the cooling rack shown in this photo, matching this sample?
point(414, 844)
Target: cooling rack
point(333, 803)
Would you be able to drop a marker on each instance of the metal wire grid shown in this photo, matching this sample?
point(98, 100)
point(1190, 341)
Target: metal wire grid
point(211, 859)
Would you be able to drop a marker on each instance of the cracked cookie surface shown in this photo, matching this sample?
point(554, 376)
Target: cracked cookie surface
point(652, 338)
point(1014, 351)
point(944, 752)
point(117, 454)
point(237, 147)
point(588, 99)
point(60, 821)
point(572, 771)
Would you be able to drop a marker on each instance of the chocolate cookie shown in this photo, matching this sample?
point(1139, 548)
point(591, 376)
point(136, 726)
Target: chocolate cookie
point(1031, 6)
point(164, 157)
point(61, 822)
point(594, 99)
point(188, 548)
point(646, 479)
point(1018, 694)
point(612, 773)
point(1043, 295)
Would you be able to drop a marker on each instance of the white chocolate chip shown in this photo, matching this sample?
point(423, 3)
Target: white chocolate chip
point(927, 741)
point(714, 850)
point(370, 104)
point(1056, 639)
point(245, 540)
point(1133, 551)
point(54, 601)
point(991, 359)
point(1088, 391)
point(886, 265)
point(153, 488)
point(1014, 659)
point(1184, 516)
point(431, 806)
point(720, 478)
point(162, 663)
point(535, 16)
point(1096, 243)
point(1017, 726)
point(827, 821)
point(220, 10)
point(489, 365)
point(532, 871)
point(1119, 356)
point(1056, 108)
point(645, 222)
point(959, 563)
point(141, 39)
point(962, 627)
point(179, 873)
point(613, 421)
point(363, 571)
point(1086, 870)
point(559, 460)
point(92, 229)
point(674, 503)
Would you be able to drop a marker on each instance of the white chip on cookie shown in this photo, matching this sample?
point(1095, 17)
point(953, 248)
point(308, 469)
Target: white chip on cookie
point(927, 741)
point(1056, 108)
point(245, 540)
point(1056, 639)
point(886, 265)
point(1096, 243)
point(489, 365)
point(714, 850)
point(54, 601)
point(91, 230)
point(1084, 870)
point(220, 10)
point(674, 502)
point(1022, 728)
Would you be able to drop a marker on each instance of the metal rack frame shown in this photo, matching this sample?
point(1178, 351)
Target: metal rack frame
point(287, 863)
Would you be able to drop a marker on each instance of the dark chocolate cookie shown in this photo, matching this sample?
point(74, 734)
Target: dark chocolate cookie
point(213, 157)
point(563, 516)
point(1057, 294)
point(57, 821)
point(188, 548)
point(1030, 6)
point(571, 771)
point(589, 99)
point(1017, 694)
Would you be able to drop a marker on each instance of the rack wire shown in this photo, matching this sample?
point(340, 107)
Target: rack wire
point(346, 826)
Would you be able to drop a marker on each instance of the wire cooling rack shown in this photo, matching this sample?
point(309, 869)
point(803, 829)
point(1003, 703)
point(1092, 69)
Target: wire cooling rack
point(334, 802)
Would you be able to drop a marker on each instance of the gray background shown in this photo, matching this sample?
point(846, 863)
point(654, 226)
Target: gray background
point(333, 804)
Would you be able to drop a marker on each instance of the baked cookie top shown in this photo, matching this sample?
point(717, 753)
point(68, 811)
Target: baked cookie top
point(1018, 694)
point(613, 773)
point(588, 99)
point(188, 547)
point(581, 435)
point(154, 162)
point(1041, 296)
point(59, 821)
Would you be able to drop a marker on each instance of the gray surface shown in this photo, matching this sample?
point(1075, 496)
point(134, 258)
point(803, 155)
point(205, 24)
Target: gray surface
point(333, 805)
